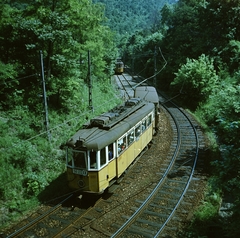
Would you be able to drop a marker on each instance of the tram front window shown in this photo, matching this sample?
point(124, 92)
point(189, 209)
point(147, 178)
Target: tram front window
point(69, 157)
point(79, 159)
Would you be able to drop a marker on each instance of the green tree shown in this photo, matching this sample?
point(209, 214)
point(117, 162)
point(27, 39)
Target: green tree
point(231, 56)
point(192, 28)
point(180, 24)
point(64, 31)
point(196, 79)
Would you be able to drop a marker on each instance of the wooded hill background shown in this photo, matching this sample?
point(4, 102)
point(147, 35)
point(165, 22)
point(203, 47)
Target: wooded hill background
point(199, 41)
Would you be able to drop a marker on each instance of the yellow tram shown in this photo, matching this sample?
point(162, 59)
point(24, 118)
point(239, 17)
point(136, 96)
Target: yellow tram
point(103, 149)
point(119, 67)
point(149, 94)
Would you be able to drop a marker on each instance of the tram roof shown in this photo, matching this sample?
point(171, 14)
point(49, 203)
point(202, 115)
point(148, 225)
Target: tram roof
point(96, 138)
point(148, 93)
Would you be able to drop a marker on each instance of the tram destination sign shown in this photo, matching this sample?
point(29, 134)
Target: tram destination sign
point(82, 172)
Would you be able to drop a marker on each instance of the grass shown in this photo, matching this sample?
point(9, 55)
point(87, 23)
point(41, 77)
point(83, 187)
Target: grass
point(33, 170)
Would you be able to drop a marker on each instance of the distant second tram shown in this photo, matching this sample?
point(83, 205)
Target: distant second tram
point(119, 67)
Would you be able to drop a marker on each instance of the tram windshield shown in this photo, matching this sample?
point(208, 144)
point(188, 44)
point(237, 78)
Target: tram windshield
point(76, 158)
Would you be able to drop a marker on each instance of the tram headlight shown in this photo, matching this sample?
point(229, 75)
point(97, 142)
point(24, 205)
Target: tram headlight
point(81, 183)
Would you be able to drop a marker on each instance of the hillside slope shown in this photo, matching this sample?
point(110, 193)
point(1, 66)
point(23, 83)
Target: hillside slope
point(128, 16)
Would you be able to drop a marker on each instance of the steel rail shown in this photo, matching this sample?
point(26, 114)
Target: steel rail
point(146, 202)
point(129, 84)
point(24, 228)
point(131, 219)
point(123, 87)
point(191, 175)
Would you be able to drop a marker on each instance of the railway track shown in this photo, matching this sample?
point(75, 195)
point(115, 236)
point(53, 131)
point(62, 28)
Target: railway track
point(125, 85)
point(49, 221)
point(155, 208)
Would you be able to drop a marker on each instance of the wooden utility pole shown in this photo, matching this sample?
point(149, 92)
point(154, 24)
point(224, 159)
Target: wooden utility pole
point(155, 66)
point(133, 64)
point(46, 122)
point(89, 82)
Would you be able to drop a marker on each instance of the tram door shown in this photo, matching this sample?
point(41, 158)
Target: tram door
point(112, 168)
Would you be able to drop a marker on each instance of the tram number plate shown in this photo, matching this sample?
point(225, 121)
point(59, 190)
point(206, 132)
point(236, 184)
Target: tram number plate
point(80, 172)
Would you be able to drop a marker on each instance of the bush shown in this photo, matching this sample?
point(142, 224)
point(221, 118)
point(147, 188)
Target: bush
point(196, 79)
point(31, 165)
point(206, 216)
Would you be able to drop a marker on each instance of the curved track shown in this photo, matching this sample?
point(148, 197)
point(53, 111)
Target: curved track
point(154, 210)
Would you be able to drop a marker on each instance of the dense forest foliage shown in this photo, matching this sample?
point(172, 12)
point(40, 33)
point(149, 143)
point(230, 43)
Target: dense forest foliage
point(126, 17)
point(195, 46)
point(196, 50)
point(64, 32)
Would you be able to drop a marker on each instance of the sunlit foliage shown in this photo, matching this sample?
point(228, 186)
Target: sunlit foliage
point(196, 80)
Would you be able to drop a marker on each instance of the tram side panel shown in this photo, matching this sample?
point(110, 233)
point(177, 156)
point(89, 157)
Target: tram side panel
point(112, 169)
point(141, 141)
point(147, 136)
point(103, 182)
point(124, 160)
point(92, 180)
point(104, 176)
point(106, 173)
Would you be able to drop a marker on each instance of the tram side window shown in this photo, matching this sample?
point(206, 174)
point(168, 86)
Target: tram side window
point(138, 131)
point(121, 144)
point(130, 137)
point(103, 159)
point(149, 120)
point(144, 125)
point(111, 152)
point(93, 159)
